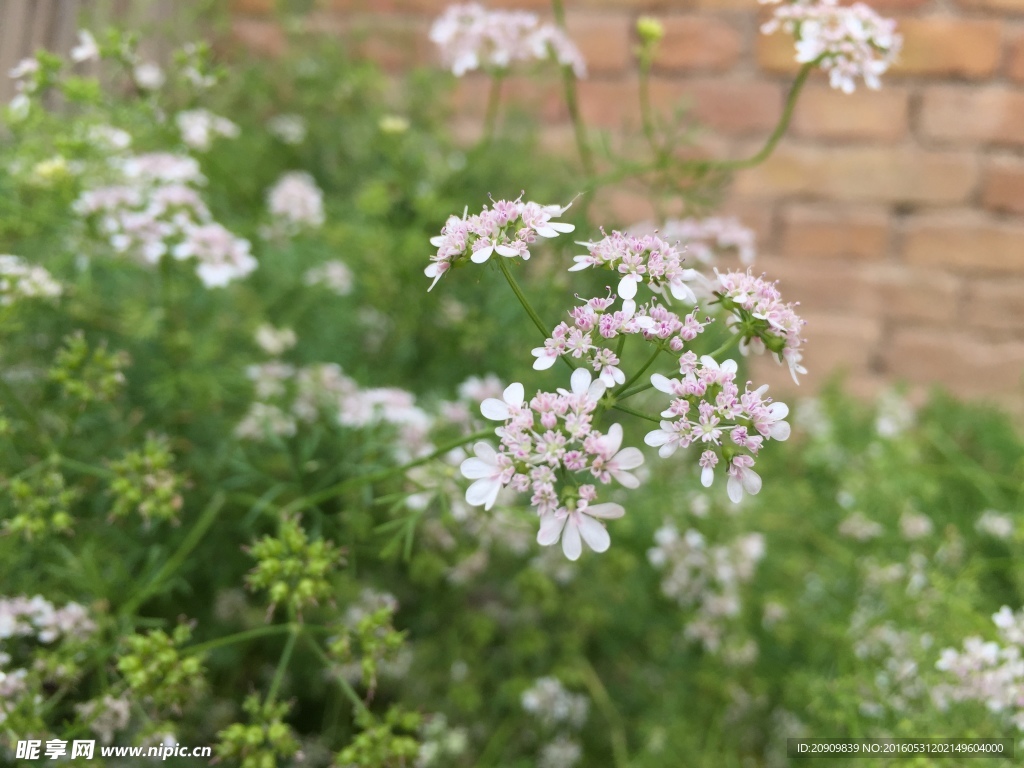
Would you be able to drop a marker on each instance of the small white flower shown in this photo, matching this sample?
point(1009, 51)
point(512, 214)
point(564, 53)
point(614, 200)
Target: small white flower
point(503, 410)
point(490, 470)
point(87, 49)
point(577, 526)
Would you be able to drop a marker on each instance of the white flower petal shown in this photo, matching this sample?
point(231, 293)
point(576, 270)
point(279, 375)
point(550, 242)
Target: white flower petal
point(571, 544)
point(629, 458)
point(550, 529)
point(595, 534)
point(495, 409)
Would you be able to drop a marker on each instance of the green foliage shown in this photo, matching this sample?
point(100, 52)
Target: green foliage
point(120, 406)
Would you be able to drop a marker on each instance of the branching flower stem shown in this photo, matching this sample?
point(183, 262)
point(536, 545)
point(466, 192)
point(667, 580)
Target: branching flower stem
point(664, 163)
point(572, 100)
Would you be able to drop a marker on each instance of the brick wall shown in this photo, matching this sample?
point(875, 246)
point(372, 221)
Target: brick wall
point(896, 217)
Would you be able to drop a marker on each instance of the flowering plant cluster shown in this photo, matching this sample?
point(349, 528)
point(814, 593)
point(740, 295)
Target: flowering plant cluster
point(550, 444)
point(849, 42)
point(473, 37)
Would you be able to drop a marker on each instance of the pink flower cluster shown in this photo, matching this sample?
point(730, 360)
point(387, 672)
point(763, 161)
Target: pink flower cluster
point(705, 238)
point(39, 619)
point(156, 211)
point(508, 229)
point(21, 280)
point(471, 37)
point(652, 321)
point(286, 395)
point(199, 128)
point(705, 577)
point(295, 201)
point(542, 442)
point(709, 410)
point(988, 672)
point(850, 42)
point(637, 259)
point(763, 319)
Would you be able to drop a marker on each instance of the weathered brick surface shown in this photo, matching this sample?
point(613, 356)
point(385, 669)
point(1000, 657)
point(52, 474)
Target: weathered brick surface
point(895, 217)
point(698, 43)
point(959, 361)
point(604, 40)
point(863, 174)
point(1015, 56)
point(1003, 185)
point(996, 304)
point(733, 107)
point(973, 114)
point(965, 241)
point(865, 115)
point(950, 46)
point(909, 293)
point(852, 234)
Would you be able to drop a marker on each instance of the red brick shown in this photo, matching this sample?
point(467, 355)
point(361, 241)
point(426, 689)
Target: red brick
point(260, 36)
point(1007, 6)
point(957, 361)
point(996, 304)
point(751, 6)
point(1003, 185)
point(698, 43)
point(964, 240)
point(829, 232)
point(823, 287)
point(609, 103)
point(731, 107)
point(824, 112)
point(972, 115)
point(863, 174)
point(1015, 57)
point(776, 52)
point(949, 46)
point(394, 43)
point(604, 40)
point(913, 293)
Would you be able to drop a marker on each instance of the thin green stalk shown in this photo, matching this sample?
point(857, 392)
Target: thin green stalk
point(191, 541)
point(87, 469)
point(493, 104)
point(239, 637)
point(731, 342)
point(638, 169)
point(522, 298)
point(634, 391)
point(346, 687)
point(282, 663)
point(354, 482)
point(636, 376)
point(638, 414)
point(572, 101)
point(646, 116)
point(620, 747)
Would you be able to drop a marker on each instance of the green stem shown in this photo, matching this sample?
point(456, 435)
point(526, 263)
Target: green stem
point(620, 748)
point(572, 100)
point(493, 104)
point(636, 376)
point(731, 342)
point(646, 116)
point(355, 482)
point(239, 637)
point(184, 550)
point(638, 414)
point(87, 469)
point(346, 687)
point(522, 298)
point(634, 391)
point(639, 169)
point(282, 664)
